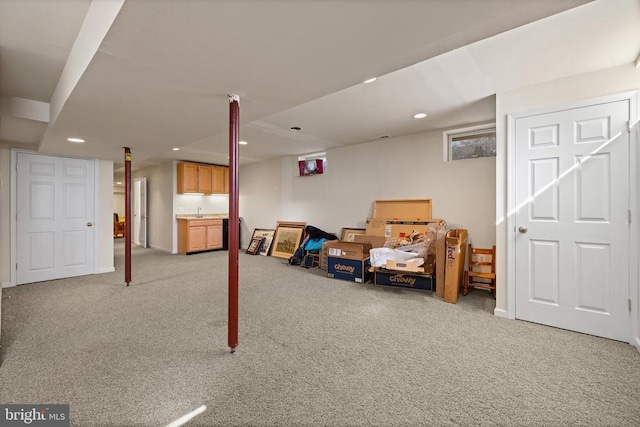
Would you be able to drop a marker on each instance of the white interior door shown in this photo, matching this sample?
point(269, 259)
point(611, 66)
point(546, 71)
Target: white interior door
point(572, 220)
point(140, 217)
point(55, 217)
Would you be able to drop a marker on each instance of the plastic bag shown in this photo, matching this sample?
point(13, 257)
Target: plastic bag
point(379, 256)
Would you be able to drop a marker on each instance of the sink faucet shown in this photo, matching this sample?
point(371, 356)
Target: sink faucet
point(198, 214)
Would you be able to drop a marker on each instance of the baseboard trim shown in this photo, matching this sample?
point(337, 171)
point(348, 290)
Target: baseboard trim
point(106, 270)
point(498, 312)
point(158, 248)
point(6, 285)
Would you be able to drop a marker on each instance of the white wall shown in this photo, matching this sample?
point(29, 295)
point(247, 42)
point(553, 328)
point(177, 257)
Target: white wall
point(160, 191)
point(557, 92)
point(5, 214)
point(261, 199)
point(118, 200)
point(463, 192)
point(104, 216)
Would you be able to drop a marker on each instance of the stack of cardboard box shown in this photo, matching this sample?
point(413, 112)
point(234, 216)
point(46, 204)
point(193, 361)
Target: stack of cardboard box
point(397, 219)
point(441, 271)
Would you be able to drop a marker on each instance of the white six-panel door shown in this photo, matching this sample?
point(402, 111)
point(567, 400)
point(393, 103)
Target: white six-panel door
point(55, 217)
point(572, 219)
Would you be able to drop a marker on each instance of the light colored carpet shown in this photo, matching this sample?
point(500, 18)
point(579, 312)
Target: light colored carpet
point(313, 351)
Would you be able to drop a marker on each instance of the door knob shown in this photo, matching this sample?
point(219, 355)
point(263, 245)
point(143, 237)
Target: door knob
point(89, 224)
point(523, 229)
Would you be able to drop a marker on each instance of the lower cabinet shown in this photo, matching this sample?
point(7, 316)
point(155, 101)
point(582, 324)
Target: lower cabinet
point(196, 235)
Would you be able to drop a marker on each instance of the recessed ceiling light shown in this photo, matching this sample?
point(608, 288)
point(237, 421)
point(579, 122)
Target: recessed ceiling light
point(420, 116)
point(243, 142)
point(295, 128)
point(76, 140)
point(176, 149)
point(371, 80)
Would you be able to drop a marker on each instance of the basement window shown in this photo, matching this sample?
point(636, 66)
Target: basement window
point(312, 164)
point(470, 143)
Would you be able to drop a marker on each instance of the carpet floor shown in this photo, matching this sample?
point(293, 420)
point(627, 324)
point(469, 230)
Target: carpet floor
point(313, 351)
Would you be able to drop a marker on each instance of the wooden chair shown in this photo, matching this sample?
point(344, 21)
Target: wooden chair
point(480, 273)
point(118, 226)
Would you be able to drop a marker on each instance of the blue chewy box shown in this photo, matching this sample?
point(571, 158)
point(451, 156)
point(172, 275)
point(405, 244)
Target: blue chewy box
point(349, 269)
point(403, 279)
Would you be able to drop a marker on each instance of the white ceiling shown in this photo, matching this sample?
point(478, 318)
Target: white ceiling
point(158, 75)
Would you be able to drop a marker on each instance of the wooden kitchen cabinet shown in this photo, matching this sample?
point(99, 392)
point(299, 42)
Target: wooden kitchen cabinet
point(202, 178)
point(188, 178)
point(197, 235)
point(220, 180)
point(214, 235)
point(205, 179)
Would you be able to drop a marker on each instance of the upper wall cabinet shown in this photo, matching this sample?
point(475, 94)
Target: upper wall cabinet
point(220, 180)
point(188, 181)
point(202, 178)
point(205, 179)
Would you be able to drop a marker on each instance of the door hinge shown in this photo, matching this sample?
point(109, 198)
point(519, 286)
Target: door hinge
point(629, 216)
point(16, 265)
point(629, 304)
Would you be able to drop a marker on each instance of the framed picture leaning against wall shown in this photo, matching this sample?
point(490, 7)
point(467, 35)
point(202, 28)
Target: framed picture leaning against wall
point(268, 234)
point(286, 241)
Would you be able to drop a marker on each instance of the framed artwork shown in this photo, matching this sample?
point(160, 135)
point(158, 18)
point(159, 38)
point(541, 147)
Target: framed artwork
point(286, 241)
point(268, 234)
point(265, 246)
point(348, 233)
point(291, 224)
point(255, 245)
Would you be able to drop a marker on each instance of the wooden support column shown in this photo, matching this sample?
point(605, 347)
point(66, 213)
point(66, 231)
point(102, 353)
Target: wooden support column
point(127, 215)
point(234, 219)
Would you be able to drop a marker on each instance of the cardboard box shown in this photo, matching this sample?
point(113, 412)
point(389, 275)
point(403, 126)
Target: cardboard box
point(375, 226)
point(411, 209)
point(349, 269)
point(403, 279)
point(411, 266)
point(384, 227)
point(348, 250)
point(441, 243)
point(400, 228)
point(375, 241)
point(456, 250)
point(348, 260)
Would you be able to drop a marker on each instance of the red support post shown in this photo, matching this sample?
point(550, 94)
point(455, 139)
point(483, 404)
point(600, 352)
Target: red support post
point(234, 219)
point(127, 215)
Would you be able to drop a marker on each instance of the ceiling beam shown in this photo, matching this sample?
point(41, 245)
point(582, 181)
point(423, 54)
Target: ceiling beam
point(24, 108)
point(97, 23)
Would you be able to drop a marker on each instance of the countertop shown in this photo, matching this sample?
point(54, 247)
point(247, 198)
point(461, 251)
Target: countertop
point(193, 217)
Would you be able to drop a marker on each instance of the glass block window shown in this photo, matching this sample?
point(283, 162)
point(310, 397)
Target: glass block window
point(470, 144)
